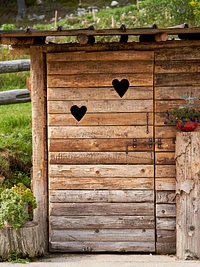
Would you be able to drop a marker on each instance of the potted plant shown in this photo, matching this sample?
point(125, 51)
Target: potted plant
point(13, 202)
point(185, 118)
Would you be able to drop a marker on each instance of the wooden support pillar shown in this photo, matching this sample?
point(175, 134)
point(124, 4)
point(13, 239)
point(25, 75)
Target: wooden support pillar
point(39, 137)
point(188, 195)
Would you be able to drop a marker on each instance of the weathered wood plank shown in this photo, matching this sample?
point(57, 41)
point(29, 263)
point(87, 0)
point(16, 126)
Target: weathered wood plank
point(163, 106)
point(100, 209)
point(165, 171)
point(101, 158)
point(185, 53)
point(163, 197)
point(171, 93)
point(106, 222)
point(103, 56)
point(84, 80)
point(166, 248)
point(165, 184)
point(101, 119)
point(177, 79)
point(165, 210)
point(103, 235)
point(104, 145)
point(100, 132)
point(102, 246)
point(98, 171)
point(114, 196)
point(165, 158)
point(165, 132)
point(166, 223)
point(15, 96)
point(102, 183)
point(98, 66)
point(14, 65)
point(103, 106)
point(100, 93)
point(179, 66)
point(166, 236)
point(167, 145)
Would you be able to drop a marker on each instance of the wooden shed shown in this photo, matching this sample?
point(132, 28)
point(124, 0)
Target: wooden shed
point(103, 161)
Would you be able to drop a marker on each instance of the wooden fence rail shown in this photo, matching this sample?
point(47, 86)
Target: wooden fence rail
point(19, 95)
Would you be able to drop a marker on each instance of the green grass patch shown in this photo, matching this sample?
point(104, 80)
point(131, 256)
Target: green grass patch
point(15, 80)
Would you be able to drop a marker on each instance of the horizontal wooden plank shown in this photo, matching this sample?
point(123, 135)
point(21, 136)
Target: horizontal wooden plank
point(101, 119)
point(165, 158)
point(165, 132)
point(99, 66)
point(165, 171)
point(163, 197)
point(185, 53)
point(114, 196)
point(175, 92)
point(102, 93)
point(76, 246)
point(102, 106)
point(166, 236)
point(166, 248)
point(98, 171)
point(163, 105)
point(101, 183)
point(101, 158)
point(108, 144)
point(165, 184)
point(177, 79)
point(167, 145)
point(178, 66)
point(165, 210)
point(103, 235)
point(100, 209)
point(166, 223)
point(100, 132)
point(98, 80)
point(103, 56)
point(161, 118)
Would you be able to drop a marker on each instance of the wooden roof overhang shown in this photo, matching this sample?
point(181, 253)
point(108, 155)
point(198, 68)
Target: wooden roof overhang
point(152, 34)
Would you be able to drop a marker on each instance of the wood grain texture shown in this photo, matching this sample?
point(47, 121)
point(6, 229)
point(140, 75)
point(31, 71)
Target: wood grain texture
point(101, 158)
point(101, 209)
point(175, 79)
point(98, 171)
point(94, 144)
point(103, 56)
point(103, 235)
point(166, 223)
point(100, 93)
point(101, 132)
point(98, 66)
point(179, 66)
point(166, 248)
point(106, 222)
point(101, 119)
point(174, 92)
point(102, 183)
point(165, 184)
point(102, 246)
point(165, 210)
point(165, 158)
point(163, 105)
point(103, 106)
point(163, 197)
point(166, 236)
point(107, 196)
point(165, 171)
point(185, 53)
point(99, 80)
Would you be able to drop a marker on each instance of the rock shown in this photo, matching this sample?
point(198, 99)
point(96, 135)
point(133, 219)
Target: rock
point(114, 4)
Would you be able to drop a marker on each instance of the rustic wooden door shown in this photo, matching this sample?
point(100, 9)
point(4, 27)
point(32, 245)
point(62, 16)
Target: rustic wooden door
point(100, 148)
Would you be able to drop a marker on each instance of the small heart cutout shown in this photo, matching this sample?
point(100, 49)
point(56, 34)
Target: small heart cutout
point(77, 112)
point(120, 86)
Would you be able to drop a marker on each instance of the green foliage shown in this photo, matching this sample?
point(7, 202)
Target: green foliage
point(15, 257)
point(182, 115)
point(6, 27)
point(12, 205)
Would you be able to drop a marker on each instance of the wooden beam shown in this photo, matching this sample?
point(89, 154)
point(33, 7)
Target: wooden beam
point(39, 135)
point(15, 96)
point(187, 195)
point(14, 65)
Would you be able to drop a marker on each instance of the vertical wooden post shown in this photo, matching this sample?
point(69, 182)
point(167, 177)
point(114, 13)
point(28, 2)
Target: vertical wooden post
point(39, 133)
point(188, 195)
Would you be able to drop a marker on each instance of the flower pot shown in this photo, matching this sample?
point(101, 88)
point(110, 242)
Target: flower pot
point(187, 127)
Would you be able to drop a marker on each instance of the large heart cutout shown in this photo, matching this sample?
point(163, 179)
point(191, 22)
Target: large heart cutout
point(77, 112)
point(120, 86)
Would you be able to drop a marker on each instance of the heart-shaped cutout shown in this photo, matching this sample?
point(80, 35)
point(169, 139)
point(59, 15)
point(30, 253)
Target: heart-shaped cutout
point(120, 86)
point(77, 112)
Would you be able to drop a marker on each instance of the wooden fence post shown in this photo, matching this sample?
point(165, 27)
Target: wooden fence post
point(188, 195)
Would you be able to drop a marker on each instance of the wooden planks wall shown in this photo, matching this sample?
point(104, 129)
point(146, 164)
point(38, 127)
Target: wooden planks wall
point(177, 73)
point(101, 189)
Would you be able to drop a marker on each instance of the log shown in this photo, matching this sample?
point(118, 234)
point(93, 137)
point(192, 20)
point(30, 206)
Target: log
point(14, 65)
point(187, 195)
point(161, 37)
point(24, 242)
point(15, 96)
